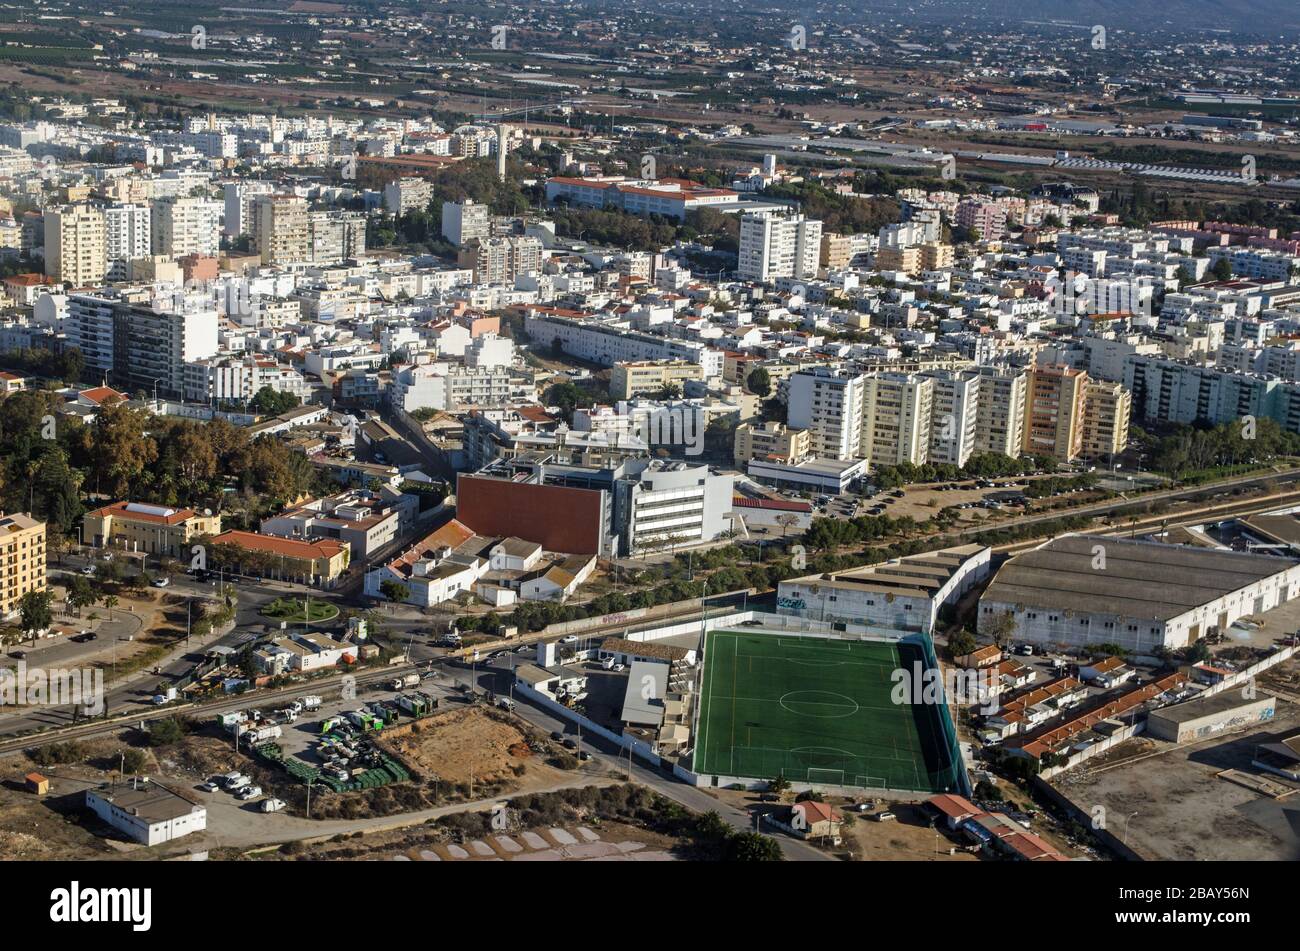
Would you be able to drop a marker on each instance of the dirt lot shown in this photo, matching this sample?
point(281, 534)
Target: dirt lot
point(471, 743)
point(1175, 806)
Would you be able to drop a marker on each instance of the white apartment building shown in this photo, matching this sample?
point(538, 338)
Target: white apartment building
point(608, 343)
point(774, 245)
point(464, 221)
point(829, 404)
point(127, 230)
point(238, 196)
point(407, 194)
point(955, 421)
point(676, 504)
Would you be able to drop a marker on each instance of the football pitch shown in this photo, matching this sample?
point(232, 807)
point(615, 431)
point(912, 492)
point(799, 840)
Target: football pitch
point(816, 710)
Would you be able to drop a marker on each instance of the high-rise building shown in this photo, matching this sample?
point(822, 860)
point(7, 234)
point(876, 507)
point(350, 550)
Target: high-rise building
point(1106, 410)
point(280, 232)
point(462, 222)
point(336, 236)
point(829, 404)
point(897, 415)
point(186, 225)
point(238, 196)
point(407, 194)
point(1000, 416)
point(75, 250)
point(501, 260)
point(988, 219)
point(141, 347)
point(22, 552)
point(955, 417)
point(127, 230)
point(1054, 412)
point(776, 244)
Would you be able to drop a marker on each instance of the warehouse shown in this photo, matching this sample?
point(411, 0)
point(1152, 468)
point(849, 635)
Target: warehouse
point(1080, 590)
point(1205, 716)
point(904, 593)
point(147, 812)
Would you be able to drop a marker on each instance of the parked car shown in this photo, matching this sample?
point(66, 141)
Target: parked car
point(209, 786)
point(161, 582)
point(570, 744)
point(557, 736)
point(88, 571)
point(883, 816)
point(248, 792)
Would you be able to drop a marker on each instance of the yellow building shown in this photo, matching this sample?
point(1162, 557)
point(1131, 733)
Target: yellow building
point(308, 562)
point(1106, 409)
point(628, 379)
point(773, 442)
point(1054, 412)
point(898, 259)
point(936, 257)
point(22, 559)
point(152, 529)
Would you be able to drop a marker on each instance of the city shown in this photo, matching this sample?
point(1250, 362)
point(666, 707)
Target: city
point(583, 432)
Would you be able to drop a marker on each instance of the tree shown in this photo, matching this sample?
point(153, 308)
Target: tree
point(166, 732)
point(1001, 627)
point(80, 594)
point(752, 847)
point(110, 602)
point(1222, 269)
point(272, 402)
point(34, 610)
point(759, 382)
point(394, 590)
point(778, 785)
point(960, 643)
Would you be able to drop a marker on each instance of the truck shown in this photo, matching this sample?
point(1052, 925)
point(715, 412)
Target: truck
point(311, 703)
point(262, 733)
point(272, 805)
point(417, 704)
point(402, 683)
point(230, 720)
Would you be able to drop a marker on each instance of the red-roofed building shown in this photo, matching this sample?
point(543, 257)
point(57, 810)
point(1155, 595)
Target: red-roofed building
point(316, 562)
point(151, 529)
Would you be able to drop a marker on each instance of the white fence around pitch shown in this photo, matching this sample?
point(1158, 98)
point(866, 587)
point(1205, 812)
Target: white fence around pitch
point(798, 627)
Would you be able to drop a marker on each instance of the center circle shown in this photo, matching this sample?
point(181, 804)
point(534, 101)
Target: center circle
point(822, 704)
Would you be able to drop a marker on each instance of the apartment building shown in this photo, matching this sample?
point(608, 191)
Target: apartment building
point(501, 260)
point(650, 376)
point(280, 230)
point(772, 441)
point(238, 197)
point(829, 405)
point(954, 425)
point(336, 236)
point(465, 221)
point(127, 237)
point(365, 522)
point(22, 557)
point(1106, 410)
point(152, 529)
point(407, 194)
point(608, 343)
point(186, 225)
point(897, 419)
point(1054, 404)
point(988, 219)
point(1000, 415)
point(776, 244)
point(76, 250)
point(907, 260)
point(138, 346)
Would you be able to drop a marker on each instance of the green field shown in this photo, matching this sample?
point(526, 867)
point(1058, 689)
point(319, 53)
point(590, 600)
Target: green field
point(818, 711)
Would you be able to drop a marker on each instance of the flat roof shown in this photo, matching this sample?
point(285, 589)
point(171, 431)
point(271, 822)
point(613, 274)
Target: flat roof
point(1199, 707)
point(1140, 579)
point(148, 801)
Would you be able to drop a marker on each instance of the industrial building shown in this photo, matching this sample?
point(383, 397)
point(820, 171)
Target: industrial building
point(904, 593)
point(1196, 719)
point(1078, 590)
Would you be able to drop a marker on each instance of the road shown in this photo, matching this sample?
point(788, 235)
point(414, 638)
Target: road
point(497, 679)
